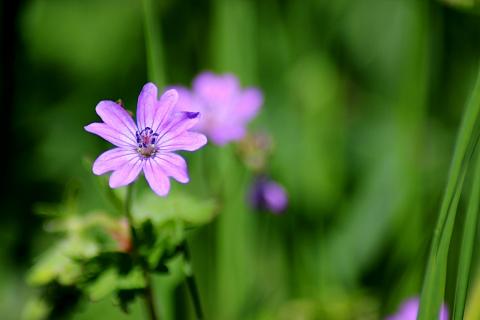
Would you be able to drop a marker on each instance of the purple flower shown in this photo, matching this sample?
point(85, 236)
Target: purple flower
point(149, 144)
point(409, 310)
point(226, 108)
point(268, 195)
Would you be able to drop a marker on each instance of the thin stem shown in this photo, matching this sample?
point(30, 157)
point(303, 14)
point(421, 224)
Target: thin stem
point(153, 44)
point(148, 296)
point(128, 214)
point(191, 283)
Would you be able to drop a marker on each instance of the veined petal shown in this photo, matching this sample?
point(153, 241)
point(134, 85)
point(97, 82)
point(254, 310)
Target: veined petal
point(113, 159)
point(187, 141)
point(116, 117)
point(156, 178)
point(147, 101)
point(173, 165)
point(177, 124)
point(126, 174)
point(111, 135)
point(162, 112)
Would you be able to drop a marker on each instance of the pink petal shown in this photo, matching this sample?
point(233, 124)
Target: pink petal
point(188, 141)
point(164, 109)
point(173, 165)
point(248, 104)
point(116, 117)
point(147, 101)
point(186, 100)
point(126, 174)
point(177, 124)
point(156, 178)
point(113, 159)
point(110, 134)
point(224, 134)
point(217, 89)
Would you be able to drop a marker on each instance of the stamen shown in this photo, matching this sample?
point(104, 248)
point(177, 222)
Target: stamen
point(146, 142)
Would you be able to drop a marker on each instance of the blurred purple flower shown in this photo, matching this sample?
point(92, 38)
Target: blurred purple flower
point(409, 310)
point(226, 108)
point(268, 195)
point(149, 145)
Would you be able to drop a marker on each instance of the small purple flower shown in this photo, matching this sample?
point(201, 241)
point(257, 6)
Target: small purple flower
point(148, 145)
point(268, 195)
point(226, 108)
point(409, 310)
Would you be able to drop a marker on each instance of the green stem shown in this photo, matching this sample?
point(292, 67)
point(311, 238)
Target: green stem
point(191, 283)
point(153, 44)
point(148, 296)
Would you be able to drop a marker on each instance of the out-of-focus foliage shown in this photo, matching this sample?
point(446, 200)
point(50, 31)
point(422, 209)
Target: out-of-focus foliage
point(93, 260)
point(473, 5)
point(362, 99)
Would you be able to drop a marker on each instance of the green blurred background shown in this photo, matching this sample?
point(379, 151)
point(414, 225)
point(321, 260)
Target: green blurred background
point(363, 99)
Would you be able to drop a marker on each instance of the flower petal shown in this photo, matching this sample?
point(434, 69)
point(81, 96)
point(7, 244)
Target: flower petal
point(113, 159)
point(216, 89)
point(248, 104)
point(178, 123)
point(275, 197)
point(188, 141)
point(156, 178)
point(186, 100)
point(221, 135)
point(126, 174)
point(111, 135)
point(173, 165)
point(167, 102)
point(116, 117)
point(147, 101)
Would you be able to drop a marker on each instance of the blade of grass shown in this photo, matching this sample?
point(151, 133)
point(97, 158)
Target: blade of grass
point(434, 282)
point(466, 250)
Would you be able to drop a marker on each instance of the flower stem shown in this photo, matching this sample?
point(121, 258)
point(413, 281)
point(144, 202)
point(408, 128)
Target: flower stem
point(191, 283)
point(148, 296)
point(153, 44)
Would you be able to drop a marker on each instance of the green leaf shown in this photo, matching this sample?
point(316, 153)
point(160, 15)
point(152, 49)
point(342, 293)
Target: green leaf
point(178, 206)
point(36, 309)
point(466, 250)
point(111, 280)
point(435, 276)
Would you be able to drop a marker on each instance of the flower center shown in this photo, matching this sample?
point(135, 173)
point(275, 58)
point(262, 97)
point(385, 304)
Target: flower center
point(146, 142)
